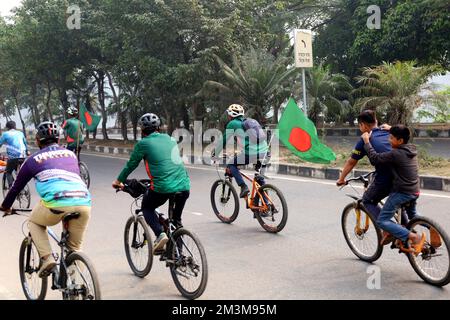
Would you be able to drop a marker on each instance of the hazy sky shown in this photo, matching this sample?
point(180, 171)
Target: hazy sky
point(6, 5)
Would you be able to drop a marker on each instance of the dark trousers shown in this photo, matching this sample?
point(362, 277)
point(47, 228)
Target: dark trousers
point(11, 165)
point(375, 193)
point(243, 159)
point(153, 200)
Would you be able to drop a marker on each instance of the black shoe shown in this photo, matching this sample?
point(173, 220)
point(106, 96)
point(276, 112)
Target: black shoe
point(244, 191)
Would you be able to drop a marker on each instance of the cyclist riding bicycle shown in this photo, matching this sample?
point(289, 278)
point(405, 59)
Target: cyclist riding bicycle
point(382, 184)
point(16, 149)
point(73, 130)
point(166, 171)
point(58, 183)
point(254, 149)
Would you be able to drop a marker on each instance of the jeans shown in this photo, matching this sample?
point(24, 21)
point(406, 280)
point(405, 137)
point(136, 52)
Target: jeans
point(153, 200)
point(243, 159)
point(395, 201)
point(376, 192)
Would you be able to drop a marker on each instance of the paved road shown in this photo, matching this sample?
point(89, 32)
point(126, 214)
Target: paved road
point(308, 260)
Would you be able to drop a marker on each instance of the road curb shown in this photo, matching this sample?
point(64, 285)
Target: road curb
point(426, 182)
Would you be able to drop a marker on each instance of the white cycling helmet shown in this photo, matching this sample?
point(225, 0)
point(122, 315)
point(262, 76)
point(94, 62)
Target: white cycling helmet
point(72, 111)
point(235, 110)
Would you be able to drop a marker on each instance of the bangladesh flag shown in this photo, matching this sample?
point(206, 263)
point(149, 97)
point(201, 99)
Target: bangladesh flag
point(299, 135)
point(89, 120)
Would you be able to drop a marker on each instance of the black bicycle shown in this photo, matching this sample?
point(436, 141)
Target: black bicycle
point(364, 237)
point(23, 199)
point(84, 170)
point(184, 254)
point(74, 275)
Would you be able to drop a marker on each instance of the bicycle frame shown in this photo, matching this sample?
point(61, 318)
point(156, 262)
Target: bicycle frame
point(254, 192)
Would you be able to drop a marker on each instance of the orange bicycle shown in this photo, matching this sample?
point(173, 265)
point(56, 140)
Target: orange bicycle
point(265, 200)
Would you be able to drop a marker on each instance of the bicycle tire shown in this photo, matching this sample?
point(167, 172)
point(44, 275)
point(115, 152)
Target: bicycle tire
point(197, 292)
point(235, 211)
point(284, 206)
point(80, 256)
point(84, 173)
point(445, 279)
point(23, 198)
point(379, 248)
point(26, 249)
point(131, 223)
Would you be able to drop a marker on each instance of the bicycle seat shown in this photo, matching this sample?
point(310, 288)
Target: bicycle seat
point(71, 216)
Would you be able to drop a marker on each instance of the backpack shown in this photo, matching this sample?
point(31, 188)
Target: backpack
point(254, 130)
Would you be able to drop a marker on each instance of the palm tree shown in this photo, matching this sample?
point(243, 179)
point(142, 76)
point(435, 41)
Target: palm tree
point(327, 93)
point(394, 89)
point(257, 80)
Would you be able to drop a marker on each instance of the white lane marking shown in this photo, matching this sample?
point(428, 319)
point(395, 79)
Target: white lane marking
point(194, 213)
point(283, 178)
point(5, 294)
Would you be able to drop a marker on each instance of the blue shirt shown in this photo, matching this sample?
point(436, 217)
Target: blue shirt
point(16, 144)
point(380, 142)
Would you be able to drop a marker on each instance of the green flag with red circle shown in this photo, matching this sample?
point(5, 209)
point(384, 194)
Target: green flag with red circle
point(89, 120)
point(299, 135)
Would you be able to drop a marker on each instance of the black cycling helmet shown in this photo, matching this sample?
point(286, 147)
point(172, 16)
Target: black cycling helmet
point(11, 125)
point(149, 122)
point(47, 131)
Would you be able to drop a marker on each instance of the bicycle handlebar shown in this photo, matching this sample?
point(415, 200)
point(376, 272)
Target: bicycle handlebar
point(363, 178)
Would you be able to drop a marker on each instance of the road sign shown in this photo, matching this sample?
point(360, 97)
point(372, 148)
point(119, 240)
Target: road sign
point(303, 49)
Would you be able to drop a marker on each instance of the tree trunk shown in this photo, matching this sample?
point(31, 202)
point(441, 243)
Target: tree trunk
point(101, 100)
point(16, 98)
point(34, 108)
point(47, 103)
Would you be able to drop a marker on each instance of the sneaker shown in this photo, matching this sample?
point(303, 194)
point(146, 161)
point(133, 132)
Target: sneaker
point(418, 246)
point(244, 191)
point(160, 242)
point(47, 266)
point(387, 238)
point(435, 238)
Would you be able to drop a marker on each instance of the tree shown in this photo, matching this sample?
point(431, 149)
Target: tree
point(323, 92)
point(394, 89)
point(257, 79)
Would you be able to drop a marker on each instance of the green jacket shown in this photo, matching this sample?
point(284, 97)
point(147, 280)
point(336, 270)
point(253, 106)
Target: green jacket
point(162, 161)
point(73, 129)
point(236, 127)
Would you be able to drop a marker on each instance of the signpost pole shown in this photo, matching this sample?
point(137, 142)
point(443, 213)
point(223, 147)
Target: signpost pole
point(304, 92)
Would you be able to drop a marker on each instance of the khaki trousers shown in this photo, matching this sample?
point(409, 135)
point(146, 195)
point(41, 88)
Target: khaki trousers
point(41, 217)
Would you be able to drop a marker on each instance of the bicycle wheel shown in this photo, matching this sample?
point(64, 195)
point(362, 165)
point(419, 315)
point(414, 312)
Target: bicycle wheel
point(34, 288)
point(224, 201)
point(273, 219)
point(433, 263)
point(84, 174)
point(82, 280)
point(138, 246)
point(189, 269)
point(361, 233)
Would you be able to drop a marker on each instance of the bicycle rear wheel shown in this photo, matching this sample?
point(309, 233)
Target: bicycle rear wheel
point(224, 201)
point(273, 219)
point(34, 288)
point(138, 246)
point(433, 263)
point(189, 269)
point(361, 233)
point(82, 279)
point(84, 174)
point(23, 199)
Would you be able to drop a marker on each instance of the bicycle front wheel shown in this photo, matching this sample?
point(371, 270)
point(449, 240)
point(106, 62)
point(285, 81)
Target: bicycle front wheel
point(138, 246)
point(224, 201)
point(84, 174)
point(274, 218)
point(24, 198)
point(361, 233)
point(34, 288)
point(189, 268)
point(433, 263)
point(82, 280)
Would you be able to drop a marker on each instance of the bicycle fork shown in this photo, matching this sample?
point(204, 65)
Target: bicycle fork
point(359, 230)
